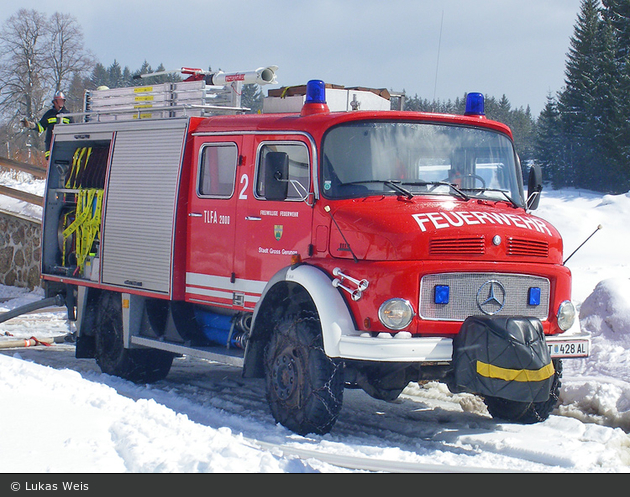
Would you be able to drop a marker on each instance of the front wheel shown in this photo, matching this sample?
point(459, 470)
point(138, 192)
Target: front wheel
point(137, 365)
point(527, 412)
point(304, 386)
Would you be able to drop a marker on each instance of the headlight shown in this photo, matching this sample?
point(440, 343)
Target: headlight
point(566, 315)
point(396, 314)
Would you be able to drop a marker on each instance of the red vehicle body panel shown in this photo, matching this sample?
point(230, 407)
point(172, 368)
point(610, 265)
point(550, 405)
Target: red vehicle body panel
point(396, 240)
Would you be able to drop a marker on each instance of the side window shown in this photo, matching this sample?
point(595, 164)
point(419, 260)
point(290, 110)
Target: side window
point(299, 168)
point(217, 170)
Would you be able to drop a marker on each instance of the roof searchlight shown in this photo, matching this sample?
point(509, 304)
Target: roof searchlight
point(260, 76)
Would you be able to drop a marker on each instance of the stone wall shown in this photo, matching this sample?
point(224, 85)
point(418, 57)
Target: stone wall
point(20, 251)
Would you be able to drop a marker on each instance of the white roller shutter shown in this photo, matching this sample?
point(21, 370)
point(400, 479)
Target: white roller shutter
point(138, 232)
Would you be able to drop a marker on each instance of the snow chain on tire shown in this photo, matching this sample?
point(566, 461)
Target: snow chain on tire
point(304, 386)
point(523, 412)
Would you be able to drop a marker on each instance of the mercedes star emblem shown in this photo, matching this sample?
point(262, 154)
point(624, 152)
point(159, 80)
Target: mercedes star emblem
point(491, 297)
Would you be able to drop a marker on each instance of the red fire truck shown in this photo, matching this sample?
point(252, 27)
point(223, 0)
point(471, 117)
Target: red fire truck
point(324, 244)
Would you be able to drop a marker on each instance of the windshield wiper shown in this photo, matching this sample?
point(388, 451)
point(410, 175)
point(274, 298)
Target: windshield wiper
point(502, 192)
point(396, 186)
point(435, 184)
point(393, 184)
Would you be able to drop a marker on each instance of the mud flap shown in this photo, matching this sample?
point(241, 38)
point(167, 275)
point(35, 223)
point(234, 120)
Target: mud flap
point(505, 357)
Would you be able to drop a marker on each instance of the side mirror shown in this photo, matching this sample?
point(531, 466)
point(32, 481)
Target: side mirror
point(534, 187)
point(276, 173)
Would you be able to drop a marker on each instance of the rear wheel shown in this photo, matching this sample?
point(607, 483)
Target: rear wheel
point(304, 386)
point(527, 412)
point(137, 365)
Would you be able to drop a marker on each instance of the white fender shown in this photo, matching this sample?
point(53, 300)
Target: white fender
point(335, 318)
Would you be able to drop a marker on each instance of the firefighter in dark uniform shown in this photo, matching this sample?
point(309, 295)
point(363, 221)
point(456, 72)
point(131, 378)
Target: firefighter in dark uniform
point(50, 118)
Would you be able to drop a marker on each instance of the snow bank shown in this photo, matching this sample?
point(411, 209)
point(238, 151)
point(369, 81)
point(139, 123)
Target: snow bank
point(87, 426)
point(599, 387)
point(606, 314)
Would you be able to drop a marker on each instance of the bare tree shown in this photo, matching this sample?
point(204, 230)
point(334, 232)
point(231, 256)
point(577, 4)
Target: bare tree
point(22, 66)
point(67, 55)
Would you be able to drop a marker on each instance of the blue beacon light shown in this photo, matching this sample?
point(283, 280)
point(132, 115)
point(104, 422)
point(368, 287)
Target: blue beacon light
point(475, 105)
point(315, 101)
point(315, 92)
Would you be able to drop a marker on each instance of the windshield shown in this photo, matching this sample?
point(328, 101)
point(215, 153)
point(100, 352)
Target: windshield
point(410, 158)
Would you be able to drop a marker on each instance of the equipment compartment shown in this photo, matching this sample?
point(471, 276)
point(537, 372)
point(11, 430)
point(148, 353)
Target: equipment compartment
point(74, 204)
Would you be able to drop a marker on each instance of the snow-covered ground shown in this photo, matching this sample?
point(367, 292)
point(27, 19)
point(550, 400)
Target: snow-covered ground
point(59, 414)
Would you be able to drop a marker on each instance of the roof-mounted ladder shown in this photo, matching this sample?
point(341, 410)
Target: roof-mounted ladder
point(202, 94)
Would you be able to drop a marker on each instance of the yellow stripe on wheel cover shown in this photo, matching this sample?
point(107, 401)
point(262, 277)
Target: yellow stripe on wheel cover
point(522, 375)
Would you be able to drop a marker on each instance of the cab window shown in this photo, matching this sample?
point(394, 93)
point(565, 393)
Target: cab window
point(217, 170)
point(298, 168)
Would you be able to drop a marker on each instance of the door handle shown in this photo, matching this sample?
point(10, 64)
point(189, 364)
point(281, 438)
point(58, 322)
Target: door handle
point(195, 214)
point(253, 218)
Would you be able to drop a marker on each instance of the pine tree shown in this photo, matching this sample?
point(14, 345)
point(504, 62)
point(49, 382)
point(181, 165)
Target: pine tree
point(616, 15)
point(605, 121)
point(76, 93)
point(127, 77)
point(252, 98)
point(99, 77)
point(594, 106)
point(115, 74)
point(576, 103)
point(549, 147)
point(523, 128)
point(617, 12)
point(502, 110)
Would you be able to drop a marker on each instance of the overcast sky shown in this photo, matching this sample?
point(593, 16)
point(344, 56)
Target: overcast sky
point(434, 49)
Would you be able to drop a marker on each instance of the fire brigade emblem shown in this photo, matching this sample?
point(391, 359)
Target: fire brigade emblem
point(277, 231)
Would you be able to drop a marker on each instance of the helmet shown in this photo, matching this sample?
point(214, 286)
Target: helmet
point(59, 94)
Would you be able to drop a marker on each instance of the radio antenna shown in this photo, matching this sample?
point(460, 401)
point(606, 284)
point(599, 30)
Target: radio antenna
point(596, 230)
point(437, 64)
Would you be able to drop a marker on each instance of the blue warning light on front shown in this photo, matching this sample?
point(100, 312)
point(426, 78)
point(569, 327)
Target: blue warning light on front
point(442, 294)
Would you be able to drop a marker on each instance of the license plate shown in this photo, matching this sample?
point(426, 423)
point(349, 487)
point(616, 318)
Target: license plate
point(569, 348)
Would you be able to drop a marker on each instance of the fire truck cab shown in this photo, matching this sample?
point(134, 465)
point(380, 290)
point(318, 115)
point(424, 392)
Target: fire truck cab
point(321, 249)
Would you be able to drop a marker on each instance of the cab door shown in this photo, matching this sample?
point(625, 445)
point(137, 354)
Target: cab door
point(275, 228)
point(212, 221)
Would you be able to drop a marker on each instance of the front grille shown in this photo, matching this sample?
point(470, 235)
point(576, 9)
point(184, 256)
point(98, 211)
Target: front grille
point(473, 245)
point(524, 247)
point(464, 289)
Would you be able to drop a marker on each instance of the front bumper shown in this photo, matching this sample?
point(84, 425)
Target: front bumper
point(399, 348)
